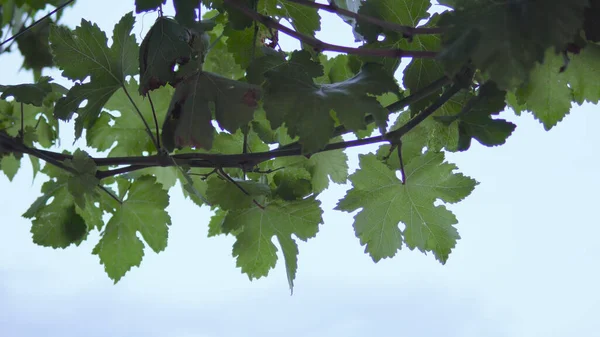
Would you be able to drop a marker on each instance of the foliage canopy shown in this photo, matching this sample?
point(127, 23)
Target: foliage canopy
point(257, 133)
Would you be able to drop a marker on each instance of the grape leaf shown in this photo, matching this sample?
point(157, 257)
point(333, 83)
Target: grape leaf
point(128, 130)
point(305, 106)
point(229, 196)
point(385, 202)
point(38, 122)
point(253, 248)
point(188, 120)
point(490, 33)
point(475, 120)
point(185, 11)
point(335, 69)
point(58, 221)
point(143, 211)
point(83, 52)
point(34, 46)
point(292, 183)
point(582, 73)
point(215, 224)
point(84, 181)
point(546, 93)
point(590, 24)
point(10, 165)
point(28, 93)
point(421, 72)
point(320, 167)
point(303, 19)
point(241, 44)
point(166, 44)
point(402, 12)
point(218, 59)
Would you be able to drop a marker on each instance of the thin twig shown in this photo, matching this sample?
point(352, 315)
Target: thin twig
point(17, 35)
point(155, 120)
point(110, 194)
point(402, 172)
point(228, 178)
point(22, 131)
point(412, 123)
point(321, 46)
point(405, 30)
point(148, 130)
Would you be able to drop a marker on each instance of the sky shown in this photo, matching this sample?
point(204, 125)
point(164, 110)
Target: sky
point(527, 263)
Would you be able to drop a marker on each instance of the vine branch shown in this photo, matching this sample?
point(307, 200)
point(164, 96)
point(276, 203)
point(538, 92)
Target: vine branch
point(220, 161)
point(405, 30)
point(17, 35)
point(321, 46)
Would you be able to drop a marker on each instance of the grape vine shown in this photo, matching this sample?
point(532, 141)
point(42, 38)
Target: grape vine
point(209, 99)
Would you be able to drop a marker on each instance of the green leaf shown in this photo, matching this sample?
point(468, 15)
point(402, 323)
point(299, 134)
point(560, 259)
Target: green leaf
point(336, 69)
point(59, 228)
point(143, 211)
point(475, 120)
point(166, 44)
point(166, 176)
point(28, 93)
point(188, 121)
point(35, 165)
point(35, 47)
point(84, 181)
point(194, 186)
point(216, 223)
point(218, 59)
point(546, 94)
point(58, 221)
point(491, 35)
point(582, 72)
point(385, 202)
point(10, 165)
point(292, 97)
point(325, 165)
point(242, 45)
point(320, 168)
point(590, 24)
point(421, 72)
point(185, 11)
point(229, 196)
point(83, 52)
point(292, 183)
point(303, 19)
point(402, 12)
point(128, 130)
point(254, 249)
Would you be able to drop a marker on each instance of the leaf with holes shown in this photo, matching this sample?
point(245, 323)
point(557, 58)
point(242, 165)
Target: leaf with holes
point(83, 52)
point(33, 94)
point(188, 120)
point(166, 44)
point(122, 125)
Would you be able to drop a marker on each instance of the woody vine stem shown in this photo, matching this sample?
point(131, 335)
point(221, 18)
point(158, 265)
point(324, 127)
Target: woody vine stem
point(250, 160)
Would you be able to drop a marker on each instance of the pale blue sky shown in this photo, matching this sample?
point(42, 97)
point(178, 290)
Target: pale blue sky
point(526, 265)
